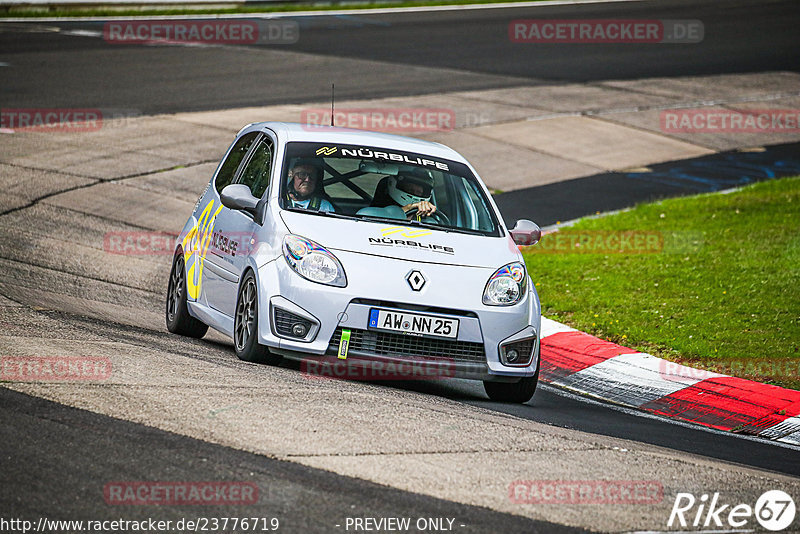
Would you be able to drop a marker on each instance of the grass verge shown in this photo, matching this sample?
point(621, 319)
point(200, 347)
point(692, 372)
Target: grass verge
point(711, 281)
point(32, 11)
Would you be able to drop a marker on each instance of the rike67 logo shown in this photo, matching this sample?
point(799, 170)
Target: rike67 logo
point(774, 510)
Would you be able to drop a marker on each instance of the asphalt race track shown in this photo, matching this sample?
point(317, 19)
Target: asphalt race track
point(57, 449)
point(373, 56)
point(323, 451)
point(571, 199)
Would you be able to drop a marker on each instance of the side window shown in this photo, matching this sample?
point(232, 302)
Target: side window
point(257, 172)
point(478, 208)
point(228, 169)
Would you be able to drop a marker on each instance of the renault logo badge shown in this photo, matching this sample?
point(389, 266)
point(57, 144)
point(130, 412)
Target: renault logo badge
point(415, 280)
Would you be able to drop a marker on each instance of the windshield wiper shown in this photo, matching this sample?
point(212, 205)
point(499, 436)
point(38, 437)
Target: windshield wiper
point(385, 219)
point(410, 222)
point(325, 213)
point(430, 225)
point(448, 229)
point(407, 222)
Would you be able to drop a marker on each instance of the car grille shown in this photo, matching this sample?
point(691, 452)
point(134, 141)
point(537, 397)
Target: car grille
point(284, 321)
point(406, 346)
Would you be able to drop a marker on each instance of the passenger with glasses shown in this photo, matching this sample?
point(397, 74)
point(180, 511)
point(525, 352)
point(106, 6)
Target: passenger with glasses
point(305, 186)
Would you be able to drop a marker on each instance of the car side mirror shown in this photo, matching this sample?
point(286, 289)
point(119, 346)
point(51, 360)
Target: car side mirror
point(526, 232)
point(238, 197)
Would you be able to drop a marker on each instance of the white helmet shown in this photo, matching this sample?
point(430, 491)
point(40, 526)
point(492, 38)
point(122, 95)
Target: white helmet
point(402, 188)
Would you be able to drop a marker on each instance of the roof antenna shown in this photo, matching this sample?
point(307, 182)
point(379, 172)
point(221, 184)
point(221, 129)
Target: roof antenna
point(331, 103)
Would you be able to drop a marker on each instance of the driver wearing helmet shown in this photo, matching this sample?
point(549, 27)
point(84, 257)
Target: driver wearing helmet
point(412, 192)
point(305, 186)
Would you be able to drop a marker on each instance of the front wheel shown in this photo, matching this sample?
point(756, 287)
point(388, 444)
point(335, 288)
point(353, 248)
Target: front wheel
point(178, 319)
point(245, 325)
point(519, 392)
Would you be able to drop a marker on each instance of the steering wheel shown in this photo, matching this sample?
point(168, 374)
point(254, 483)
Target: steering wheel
point(437, 215)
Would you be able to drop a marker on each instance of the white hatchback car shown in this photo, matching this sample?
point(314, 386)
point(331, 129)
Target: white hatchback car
point(317, 243)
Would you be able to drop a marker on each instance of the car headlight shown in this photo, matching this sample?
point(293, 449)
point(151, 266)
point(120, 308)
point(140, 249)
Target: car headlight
point(506, 286)
point(313, 262)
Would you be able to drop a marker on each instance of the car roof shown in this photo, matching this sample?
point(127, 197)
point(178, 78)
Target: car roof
point(289, 131)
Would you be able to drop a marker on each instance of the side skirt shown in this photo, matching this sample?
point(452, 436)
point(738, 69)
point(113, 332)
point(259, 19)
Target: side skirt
point(213, 318)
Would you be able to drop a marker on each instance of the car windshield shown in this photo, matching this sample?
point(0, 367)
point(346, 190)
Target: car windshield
point(377, 183)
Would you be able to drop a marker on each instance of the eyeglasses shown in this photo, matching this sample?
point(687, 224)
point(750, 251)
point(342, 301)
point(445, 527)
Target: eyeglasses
point(303, 175)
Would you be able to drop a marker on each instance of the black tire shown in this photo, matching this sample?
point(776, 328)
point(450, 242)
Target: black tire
point(519, 392)
point(245, 325)
point(177, 313)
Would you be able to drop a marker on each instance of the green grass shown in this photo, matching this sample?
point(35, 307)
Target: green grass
point(723, 293)
point(70, 11)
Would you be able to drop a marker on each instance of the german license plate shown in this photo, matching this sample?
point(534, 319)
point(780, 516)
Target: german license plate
point(412, 323)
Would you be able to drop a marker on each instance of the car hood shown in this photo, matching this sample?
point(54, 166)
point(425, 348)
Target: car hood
point(403, 242)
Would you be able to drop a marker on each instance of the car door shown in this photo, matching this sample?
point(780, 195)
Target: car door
point(206, 213)
point(216, 216)
point(234, 230)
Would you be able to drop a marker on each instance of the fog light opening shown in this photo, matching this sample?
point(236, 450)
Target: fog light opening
point(518, 353)
point(290, 325)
